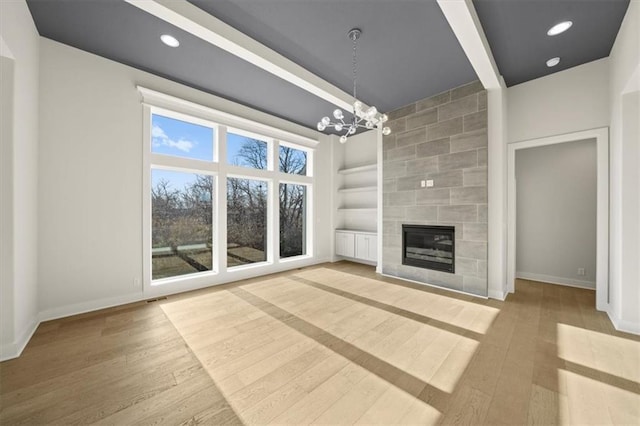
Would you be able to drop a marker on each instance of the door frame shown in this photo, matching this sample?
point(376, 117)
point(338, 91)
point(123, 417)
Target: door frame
point(601, 135)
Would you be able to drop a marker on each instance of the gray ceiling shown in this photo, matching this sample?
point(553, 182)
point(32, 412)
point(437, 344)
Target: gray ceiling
point(407, 51)
point(121, 32)
point(517, 33)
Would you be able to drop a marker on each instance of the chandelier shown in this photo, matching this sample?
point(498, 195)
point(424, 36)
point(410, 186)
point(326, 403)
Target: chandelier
point(365, 119)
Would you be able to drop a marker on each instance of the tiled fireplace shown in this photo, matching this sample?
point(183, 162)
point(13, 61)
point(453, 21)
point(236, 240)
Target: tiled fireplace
point(435, 174)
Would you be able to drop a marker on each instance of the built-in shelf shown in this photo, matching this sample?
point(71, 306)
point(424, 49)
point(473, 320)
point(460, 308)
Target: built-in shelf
point(359, 169)
point(358, 189)
point(358, 209)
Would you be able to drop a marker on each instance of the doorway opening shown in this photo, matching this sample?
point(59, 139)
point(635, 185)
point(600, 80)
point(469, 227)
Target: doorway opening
point(558, 211)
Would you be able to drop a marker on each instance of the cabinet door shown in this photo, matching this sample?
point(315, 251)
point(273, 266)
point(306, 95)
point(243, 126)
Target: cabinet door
point(345, 244)
point(372, 253)
point(366, 247)
point(362, 246)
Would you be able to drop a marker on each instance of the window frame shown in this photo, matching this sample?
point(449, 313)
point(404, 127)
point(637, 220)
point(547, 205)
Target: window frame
point(221, 123)
point(178, 164)
point(308, 218)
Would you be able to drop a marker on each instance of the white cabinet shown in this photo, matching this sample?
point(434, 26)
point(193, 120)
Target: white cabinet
point(357, 245)
point(366, 247)
point(345, 244)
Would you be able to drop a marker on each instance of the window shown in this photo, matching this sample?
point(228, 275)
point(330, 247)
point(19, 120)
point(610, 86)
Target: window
point(182, 196)
point(246, 221)
point(293, 210)
point(292, 161)
point(181, 223)
point(246, 151)
point(204, 177)
point(178, 138)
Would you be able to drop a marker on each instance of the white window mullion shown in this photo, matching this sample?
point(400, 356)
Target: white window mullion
point(297, 179)
point(221, 198)
point(275, 204)
point(146, 198)
point(309, 225)
point(183, 164)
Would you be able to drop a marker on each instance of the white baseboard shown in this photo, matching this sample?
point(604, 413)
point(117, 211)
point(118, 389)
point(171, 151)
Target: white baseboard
point(356, 260)
point(623, 325)
point(90, 306)
point(14, 349)
point(589, 285)
point(434, 286)
point(497, 294)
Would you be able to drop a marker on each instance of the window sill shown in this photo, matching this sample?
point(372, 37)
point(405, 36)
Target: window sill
point(256, 265)
point(182, 278)
point(295, 258)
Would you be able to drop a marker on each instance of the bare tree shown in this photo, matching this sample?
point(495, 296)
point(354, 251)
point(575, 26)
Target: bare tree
point(184, 216)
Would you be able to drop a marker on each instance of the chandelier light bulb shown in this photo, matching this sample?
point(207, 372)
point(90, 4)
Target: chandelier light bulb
point(371, 112)
point(338, 114)
point(386, 131)
point(384, 118)
point(338, 127)
point(369, 125)
point(321, 126)
point(343, 139)
point(326, 121)
point(352, 130)
point(357, 106)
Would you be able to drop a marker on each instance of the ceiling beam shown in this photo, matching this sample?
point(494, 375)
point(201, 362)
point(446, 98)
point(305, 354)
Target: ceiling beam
point(464, 22)
point(201, 24)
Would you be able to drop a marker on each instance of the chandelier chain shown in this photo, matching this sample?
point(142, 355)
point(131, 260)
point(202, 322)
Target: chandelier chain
point(355, 70)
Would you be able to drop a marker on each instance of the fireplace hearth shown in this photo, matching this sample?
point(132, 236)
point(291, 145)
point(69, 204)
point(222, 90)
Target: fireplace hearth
point(429, 247)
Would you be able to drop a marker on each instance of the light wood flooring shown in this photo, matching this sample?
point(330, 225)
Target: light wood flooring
point(332, 344)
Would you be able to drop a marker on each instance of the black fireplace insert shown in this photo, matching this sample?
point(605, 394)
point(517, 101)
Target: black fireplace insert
point(430, 247)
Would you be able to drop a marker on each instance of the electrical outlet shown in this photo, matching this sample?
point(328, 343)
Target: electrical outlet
point(429, 183)
point(580, 271)
point(423, 183)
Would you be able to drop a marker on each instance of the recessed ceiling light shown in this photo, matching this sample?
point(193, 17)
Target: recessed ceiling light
point(559, 28)
point(169, 40)
point(553, 62)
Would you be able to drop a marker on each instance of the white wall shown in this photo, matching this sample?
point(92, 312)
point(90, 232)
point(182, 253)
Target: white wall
point(360, 149)
point(91, 178)
point(568, 101)
point(556, 213)
point(6, 202)
point(21, 41)
point(624, 62)
point(497, 122)
point(586, 97)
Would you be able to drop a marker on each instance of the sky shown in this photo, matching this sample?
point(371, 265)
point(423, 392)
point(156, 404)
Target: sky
point(181, 139)
point(178, 138)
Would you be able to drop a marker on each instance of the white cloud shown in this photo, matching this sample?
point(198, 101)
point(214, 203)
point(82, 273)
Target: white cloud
point(182, 145)
point(157, 132)
point(160, 138)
